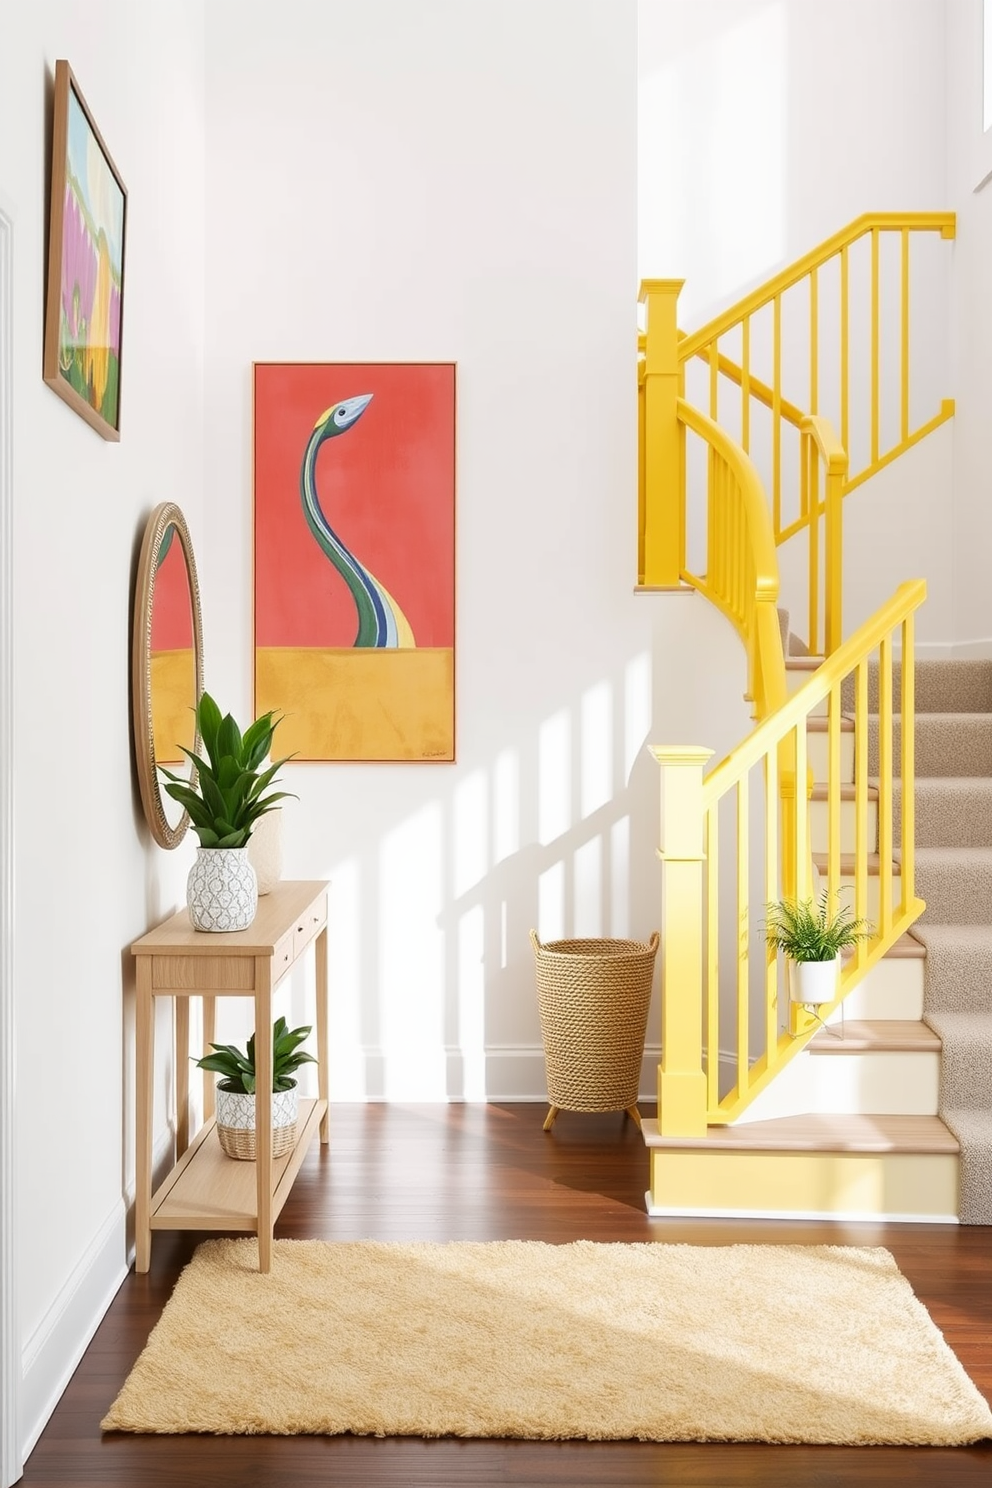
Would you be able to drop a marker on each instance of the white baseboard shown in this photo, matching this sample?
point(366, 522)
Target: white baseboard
point(58, 1343)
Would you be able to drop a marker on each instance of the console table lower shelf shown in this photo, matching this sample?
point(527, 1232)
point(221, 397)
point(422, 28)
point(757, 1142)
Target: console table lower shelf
point(207, 1190)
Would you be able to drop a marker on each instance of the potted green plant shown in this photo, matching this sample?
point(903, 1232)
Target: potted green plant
point(813, 938)
point(236, 1091)
point(225, 798)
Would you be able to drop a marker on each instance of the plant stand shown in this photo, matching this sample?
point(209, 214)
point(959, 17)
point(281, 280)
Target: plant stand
point(593, 997)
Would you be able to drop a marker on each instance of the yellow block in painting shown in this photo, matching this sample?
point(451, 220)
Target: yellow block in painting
point(173, 697)
point(359, 704)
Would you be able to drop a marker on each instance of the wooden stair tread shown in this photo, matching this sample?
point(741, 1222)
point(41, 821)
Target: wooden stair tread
point(816, 724)
point(813, 1133)
point(848, 791)
point(802, 663)
point(847, 862)
point(863, 1035)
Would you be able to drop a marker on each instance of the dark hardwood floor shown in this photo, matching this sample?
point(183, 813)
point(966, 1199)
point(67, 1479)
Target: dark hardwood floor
point(489, 1172)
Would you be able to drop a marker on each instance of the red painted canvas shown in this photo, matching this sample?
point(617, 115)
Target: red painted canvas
point(354, 557)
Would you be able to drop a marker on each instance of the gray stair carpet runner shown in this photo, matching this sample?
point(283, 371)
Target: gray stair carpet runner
point(953, 802)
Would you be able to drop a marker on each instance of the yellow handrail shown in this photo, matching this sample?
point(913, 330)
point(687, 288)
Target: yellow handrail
point(741, 576)
point(690, 1087)
point(942, 222)
point(795, 509)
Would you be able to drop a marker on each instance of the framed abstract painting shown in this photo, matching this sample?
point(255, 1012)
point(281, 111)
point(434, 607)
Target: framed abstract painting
point(354, 558)
point(85, 300)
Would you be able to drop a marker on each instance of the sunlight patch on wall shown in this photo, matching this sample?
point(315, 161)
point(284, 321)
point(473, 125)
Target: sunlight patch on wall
point(471, 832)
point(596, 760)
point(712, 161)
point(636, 709)
point(554, 776)
point(551, 903)
point(620, 877)
point(472, 1004)
point(411, 900)
point(588, 865)
point(506, 805)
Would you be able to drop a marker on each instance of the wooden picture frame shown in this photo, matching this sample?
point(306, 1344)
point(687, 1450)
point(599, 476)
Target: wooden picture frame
point(84, 308)
point(354, 558)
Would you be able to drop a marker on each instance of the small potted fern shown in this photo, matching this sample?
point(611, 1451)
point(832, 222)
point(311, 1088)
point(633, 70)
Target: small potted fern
point(812, 938)
point(236, 1091)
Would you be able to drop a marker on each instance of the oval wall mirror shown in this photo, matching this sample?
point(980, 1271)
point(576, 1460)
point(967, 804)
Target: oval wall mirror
point(167, 667)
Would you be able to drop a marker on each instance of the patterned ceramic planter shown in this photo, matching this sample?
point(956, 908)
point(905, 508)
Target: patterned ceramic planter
point(236, 1122)
point(221, 891)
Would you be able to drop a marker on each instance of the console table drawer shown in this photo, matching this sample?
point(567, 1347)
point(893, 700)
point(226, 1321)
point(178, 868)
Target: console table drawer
point(309, 924)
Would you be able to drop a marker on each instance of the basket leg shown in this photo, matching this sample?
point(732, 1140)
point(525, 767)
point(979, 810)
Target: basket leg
point(634, 1115)
point(549, 1120)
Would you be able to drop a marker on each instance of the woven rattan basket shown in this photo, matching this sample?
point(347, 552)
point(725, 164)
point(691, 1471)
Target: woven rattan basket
point(593, 997)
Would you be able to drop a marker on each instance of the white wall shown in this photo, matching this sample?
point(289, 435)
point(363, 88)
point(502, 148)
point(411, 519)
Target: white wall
point(88, 879)
point(453, 182)
point(969, 161)
point(765, 126)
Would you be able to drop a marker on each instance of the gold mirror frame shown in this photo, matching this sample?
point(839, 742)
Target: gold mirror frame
point(166, 515)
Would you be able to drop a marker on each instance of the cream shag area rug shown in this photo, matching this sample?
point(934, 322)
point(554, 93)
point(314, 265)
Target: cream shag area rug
point(776, 1343)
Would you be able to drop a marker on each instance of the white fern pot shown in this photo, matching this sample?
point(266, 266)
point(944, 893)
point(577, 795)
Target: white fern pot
point(236, 1122)
point(221, 890)
point(814, 981)
point(265, 850)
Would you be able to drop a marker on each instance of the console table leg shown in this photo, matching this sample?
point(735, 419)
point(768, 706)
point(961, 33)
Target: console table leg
point(144, 1057)
point(263, 1107)
point(323, 1084)
point(182, 1075)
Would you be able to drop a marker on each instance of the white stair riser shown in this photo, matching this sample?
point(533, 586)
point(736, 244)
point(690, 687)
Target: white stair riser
point(817, 752)
point(874, 892)
point(873, 1083)
point(835, 1185)
point(794, 679)
point(892, 989)
point(819, 826)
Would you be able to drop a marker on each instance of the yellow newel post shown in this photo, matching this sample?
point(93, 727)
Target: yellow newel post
point(681, 1078)
point(664, 497)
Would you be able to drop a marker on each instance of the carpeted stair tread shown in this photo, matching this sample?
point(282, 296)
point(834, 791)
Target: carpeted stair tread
point(951, 811)
point(973, 1132)
point(959, 966)
point(817, 1133)
point(967, 1063)
point(956, 883)
point(876, 1035)
point(946, 744)
point(958, 686)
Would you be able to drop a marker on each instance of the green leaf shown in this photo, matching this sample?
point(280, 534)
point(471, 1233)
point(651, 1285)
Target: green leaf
point(208, 718)
point(229, 739)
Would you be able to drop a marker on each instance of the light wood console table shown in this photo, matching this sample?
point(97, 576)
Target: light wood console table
point(207, 1190)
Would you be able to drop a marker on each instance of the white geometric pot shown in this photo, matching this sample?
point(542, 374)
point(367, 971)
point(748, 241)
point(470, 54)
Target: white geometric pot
point(814, 981)
point(221, 890)
point(236, 1122)
point(265, 850)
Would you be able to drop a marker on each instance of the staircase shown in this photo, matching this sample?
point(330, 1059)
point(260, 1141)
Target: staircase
point(872, 786)
point(861, 1125)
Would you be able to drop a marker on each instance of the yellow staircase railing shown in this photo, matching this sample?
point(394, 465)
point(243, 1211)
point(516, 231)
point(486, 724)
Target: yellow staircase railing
point(830, 382)
point(740, 801)
point(760, 795)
